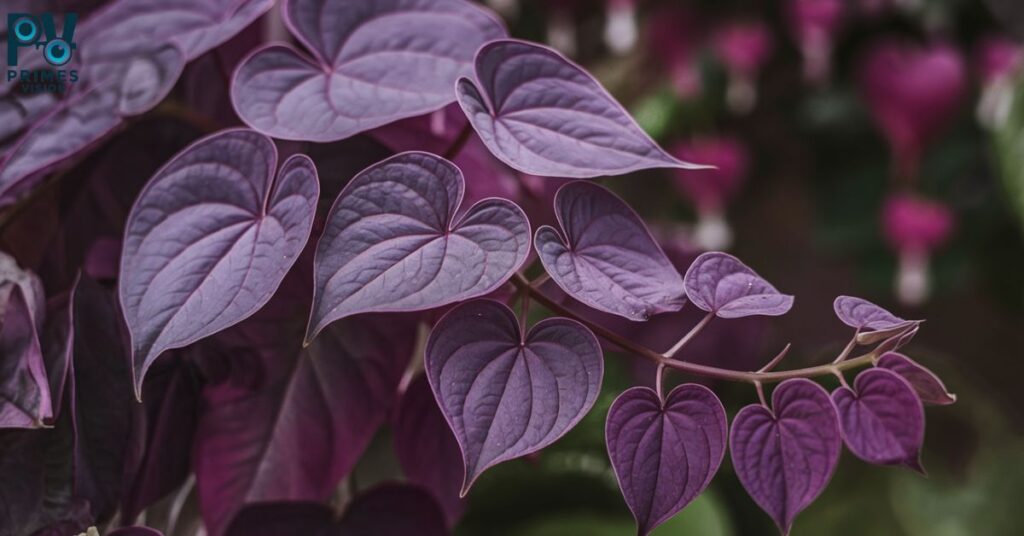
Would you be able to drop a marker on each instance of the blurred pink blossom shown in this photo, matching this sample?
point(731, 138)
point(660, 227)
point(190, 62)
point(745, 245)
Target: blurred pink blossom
point(743, 47)
point(997, 60)
point(915, 227)
point(814, 24)
point(674, 38)
point(913, 92)
point(711, 189)
point(620, 31)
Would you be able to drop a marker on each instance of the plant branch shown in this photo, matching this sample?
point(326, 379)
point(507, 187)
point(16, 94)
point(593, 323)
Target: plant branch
point(689, 336)
point(459, 143)
point(693, 368)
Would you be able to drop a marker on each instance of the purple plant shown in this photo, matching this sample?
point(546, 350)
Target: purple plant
point(259, 329)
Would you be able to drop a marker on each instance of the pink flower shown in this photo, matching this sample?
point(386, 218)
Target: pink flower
point(915, 227)
point(814, 23)
point(913, 93)
point(674, 39)
point(743, 47)
point(997, 57)
point(711, 189)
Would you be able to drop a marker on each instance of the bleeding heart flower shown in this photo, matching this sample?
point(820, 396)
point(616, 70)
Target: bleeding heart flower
point(674, 39)
point(743, 47)
point(814, 24)
point(915, 227)
point(620, 31)
point(711, 189)
point(562, 26)
point(998, 59)
point(913, 92)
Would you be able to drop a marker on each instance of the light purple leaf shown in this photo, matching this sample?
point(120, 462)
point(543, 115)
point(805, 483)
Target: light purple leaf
point(372, 63)
point(608, 259)
point(665, 455)
point(544, 115)
point(427, 450)
point(390, 242)
point(926, 384)
point(209, 240)
point(882, 419)
point(386, 510)
point(506, 394)
point(301, 428)
point(719, 283)
point(29, 283)
point(862, 314)
point(24, 387)
point(784, 457)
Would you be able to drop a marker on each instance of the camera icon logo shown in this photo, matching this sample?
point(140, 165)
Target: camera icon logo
point(40, 32)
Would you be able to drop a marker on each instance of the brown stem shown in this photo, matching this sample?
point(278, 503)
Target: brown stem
point(692, 368)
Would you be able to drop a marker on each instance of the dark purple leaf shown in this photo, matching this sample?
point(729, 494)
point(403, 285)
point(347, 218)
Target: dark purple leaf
point(36, 487)
point(784, 457)
point(862, 314)
point(719, 283)
point(25, 400)
point(926, 384)
point(372, 63)
point(297, 422)
point(542, 114)
point(665, 455)
point(608, 259)
point(426, 449)
point(506, 394)
point(387, 510)
point(882, 418)
point(58, 347)
point(209, 240)
point(390, 243)
point(135, 531)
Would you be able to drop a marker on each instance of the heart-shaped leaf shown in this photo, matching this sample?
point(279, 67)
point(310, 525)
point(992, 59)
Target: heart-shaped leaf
point(608, 259)
point(24, 387)
point(882, 418)
point(506, 394)
point(427, 450)
point(387, 510)
point(926, 384)
point(665, 455)
point(373, 63)
point(544, 115)
point(719, 283)
point(784, 457)
point(390, 242)
point(861, 314)
point(209, 240)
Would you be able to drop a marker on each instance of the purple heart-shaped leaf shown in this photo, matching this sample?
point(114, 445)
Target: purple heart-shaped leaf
point(373, 63)
point(862, 314)
point(926, 384)
point(784, 457)
point(544, 115)
point(209, 240)
point(391, 244)
point(665, 455)
point(506, 394)
point(882, 418)
point(24, 387)
point(608, 259)
point(427, 450)
point(719, 283)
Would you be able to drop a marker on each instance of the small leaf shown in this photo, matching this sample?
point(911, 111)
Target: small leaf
point(25, 400)
point(862, 314)
point(387, 510)
point(373, 63)
point(784, 457)
point(719, 283)
point(506, 394)
point(390, 243)
point(427, 450)
point(926, 384)
point(882, 419)
point(608, 259)
point(209, 240)
point(665, 455)
point(542, 114)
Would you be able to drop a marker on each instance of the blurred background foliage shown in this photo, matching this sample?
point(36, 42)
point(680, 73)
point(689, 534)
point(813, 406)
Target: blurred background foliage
point(809, 216)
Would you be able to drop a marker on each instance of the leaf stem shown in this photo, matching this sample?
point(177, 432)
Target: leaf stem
point(459, 143)
point(693, 368)
point(659, 376)
point(689, 336)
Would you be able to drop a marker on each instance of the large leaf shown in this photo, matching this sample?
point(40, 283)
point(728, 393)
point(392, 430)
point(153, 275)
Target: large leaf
point(882, 419)
point(544, 115)
point(129, 55)
point(719, 283)
point(390, 242)
point(785, 456)
point(25, 400)
point(387, 510)
point(504, 393)
point(427, 450)
point(287, 425)
point(209, 240)
point(373, 63)
point(665, 453)
point(608, 259)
